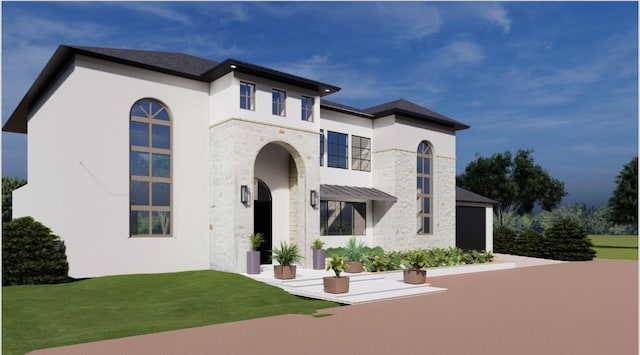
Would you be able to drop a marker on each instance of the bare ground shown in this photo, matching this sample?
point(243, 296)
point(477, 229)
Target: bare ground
point(570, 308)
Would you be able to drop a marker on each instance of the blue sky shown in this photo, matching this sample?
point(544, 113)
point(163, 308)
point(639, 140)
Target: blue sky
point(558, 78)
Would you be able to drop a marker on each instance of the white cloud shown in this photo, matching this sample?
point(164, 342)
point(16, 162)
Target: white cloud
point(34, 28)
point(593, 149)
point(496, 14)
point(464, 52)
point(158, 9)
point(413, 20)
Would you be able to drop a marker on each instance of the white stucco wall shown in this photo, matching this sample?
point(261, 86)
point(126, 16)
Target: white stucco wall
point(225, 103)
point(78, 163)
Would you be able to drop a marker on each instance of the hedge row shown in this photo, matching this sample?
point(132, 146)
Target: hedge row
point(565, 240)
point(376, 259)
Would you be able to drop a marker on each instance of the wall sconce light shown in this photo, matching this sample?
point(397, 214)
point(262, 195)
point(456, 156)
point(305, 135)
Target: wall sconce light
point(313, 197)
point(245, 194)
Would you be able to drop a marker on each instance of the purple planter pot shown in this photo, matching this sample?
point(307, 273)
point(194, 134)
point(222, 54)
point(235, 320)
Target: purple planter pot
point(253, 262)
point(318, 259)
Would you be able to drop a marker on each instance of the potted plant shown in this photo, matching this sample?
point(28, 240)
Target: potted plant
point(319, 254)
point(354, 252)
point(253, 255)
point(337, 283)
point(286, 256)
point(415, 261)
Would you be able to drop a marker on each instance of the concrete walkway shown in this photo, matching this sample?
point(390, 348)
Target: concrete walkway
point(560, 308)
point(370, 286)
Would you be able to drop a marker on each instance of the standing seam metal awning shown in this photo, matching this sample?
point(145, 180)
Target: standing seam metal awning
point(338, 192)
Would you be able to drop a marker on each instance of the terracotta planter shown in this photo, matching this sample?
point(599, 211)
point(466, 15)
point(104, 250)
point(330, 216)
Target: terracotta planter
point(253, 262)
point(334, 284)
point(354, 267)
point(319, 255)
point(284, 272)
point(415, 276)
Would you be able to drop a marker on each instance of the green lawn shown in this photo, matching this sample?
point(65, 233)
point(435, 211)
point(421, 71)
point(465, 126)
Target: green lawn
point(615, 246)
point(43, 316)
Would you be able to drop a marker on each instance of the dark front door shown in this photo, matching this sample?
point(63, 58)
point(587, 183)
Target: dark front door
point(471, 228)
point(262, 220)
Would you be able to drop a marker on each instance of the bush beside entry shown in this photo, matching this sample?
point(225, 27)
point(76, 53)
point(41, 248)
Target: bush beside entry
point(31, 254)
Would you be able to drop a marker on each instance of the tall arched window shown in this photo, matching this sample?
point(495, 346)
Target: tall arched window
point(425, 190)
point(150, 169)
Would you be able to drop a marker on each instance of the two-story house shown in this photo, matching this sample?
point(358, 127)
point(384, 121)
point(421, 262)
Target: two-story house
point(147, 161)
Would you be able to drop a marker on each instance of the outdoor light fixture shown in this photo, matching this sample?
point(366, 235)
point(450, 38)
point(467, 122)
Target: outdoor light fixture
point(313, 196)
point(245, 194)
point(232, 66)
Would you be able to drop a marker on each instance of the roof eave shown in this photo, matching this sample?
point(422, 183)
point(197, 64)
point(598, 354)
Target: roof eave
point(343, 110)
point(231, 64)
point(457, 126)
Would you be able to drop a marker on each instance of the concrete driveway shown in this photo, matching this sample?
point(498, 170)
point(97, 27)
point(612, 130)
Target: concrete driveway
point(568, 308)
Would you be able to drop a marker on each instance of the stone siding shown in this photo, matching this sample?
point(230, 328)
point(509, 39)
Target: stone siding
point(234, 146)
point(396, 224)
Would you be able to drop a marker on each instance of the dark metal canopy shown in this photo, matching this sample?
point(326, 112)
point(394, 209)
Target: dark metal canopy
point(338, 192)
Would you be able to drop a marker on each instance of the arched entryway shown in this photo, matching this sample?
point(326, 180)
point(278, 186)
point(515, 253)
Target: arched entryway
point(262, 219)
point(278, 190)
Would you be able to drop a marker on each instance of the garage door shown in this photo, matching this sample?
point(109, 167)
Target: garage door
point(471, 228)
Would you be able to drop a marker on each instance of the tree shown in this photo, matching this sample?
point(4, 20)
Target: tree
point(624, 202)
point(8, 185)
point(516, 183)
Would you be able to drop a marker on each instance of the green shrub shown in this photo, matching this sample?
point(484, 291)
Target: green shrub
point(504, 240)
point(530, 243)
point(476, 257)
point(568, 240)
point(31, 254)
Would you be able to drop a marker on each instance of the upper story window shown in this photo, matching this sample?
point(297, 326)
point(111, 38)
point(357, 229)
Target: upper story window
point(278, 102)
point(424, 187)
point(360, 153)
point(149, 170)
point(337, 148)
point(247, 96)
point(307, 108)
point(321, 147)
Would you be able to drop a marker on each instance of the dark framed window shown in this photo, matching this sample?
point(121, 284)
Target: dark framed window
point(279, 98)
point(321, 147)
point(360, 153)
point(307, 108)
point(424, 186)
point(247, 96)
point(150, 170)
point(343, 218)
point(337, 150)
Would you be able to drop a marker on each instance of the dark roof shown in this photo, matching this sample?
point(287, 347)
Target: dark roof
point(178, 64)
point(463, 195)
point(170, 62)
point(338, 192)
point(411, 110)
point(334, 106)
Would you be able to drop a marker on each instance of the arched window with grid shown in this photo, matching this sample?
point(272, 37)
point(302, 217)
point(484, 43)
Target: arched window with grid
point(150, 183)
point(424, 188)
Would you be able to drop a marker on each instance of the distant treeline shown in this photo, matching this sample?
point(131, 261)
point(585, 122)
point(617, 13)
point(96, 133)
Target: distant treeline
point(595, 220)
